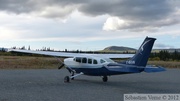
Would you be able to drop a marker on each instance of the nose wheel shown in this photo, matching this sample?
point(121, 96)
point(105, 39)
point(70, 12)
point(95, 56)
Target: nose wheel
point(105, 78)
point(66, 79)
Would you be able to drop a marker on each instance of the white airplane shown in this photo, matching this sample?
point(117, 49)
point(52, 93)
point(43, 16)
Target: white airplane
point(101, 64)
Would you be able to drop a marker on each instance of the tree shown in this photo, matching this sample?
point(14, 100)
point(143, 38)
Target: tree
point(164, 55)
point(23, 48)
point(29, 48)
point(175, 55)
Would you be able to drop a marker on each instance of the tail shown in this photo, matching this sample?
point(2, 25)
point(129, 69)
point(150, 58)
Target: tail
point(142, 55)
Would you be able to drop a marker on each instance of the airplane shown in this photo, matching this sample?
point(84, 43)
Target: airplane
point(102, 64)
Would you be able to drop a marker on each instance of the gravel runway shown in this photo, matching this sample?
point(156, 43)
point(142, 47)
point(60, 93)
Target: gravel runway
point(48, 85)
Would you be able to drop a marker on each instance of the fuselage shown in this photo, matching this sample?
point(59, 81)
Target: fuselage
point(96, 66)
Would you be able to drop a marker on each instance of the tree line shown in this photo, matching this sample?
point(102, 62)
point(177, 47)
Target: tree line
point(165, 55)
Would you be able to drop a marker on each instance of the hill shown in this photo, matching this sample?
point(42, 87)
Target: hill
point(119, 49)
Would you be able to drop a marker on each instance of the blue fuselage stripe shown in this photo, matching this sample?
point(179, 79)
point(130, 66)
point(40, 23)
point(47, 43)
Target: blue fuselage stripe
point(103, 71)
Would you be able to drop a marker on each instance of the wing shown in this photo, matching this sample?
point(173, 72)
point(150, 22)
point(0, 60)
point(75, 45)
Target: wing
point(65, 54)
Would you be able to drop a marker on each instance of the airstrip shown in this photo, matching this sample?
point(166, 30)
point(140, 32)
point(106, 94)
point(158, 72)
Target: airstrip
point(48, 85)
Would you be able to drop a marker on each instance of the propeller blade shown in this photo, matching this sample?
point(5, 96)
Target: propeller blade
point(62, 65)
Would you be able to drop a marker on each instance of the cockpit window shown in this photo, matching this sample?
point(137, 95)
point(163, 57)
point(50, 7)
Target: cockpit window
point(84, 60)
point(102, 61)
point(108, 60)
point(95, 62)
point(78, 59)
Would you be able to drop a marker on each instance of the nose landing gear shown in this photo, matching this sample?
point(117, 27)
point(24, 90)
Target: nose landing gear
point(67, 78)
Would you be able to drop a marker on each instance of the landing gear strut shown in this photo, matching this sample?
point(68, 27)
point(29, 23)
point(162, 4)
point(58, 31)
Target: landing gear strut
point(72, 76)
point(105, 78)
point(67, 78)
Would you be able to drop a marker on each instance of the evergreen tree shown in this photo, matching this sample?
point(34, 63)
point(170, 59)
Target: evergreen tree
point(29, 48)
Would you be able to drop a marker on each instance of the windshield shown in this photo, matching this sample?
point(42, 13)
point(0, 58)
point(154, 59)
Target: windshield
point(109, 60)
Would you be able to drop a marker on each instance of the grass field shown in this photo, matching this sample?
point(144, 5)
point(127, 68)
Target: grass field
point(167, 64)
point(25, 62)
point(29, 62)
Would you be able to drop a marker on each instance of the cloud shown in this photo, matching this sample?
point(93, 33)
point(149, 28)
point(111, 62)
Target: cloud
point(137, 15)
point(128, 9)
point(43, 8)
point(114, 23)
point(145, 16)
point(163, 46)
point(23, 27)
point(131, 15)
point(55, 12)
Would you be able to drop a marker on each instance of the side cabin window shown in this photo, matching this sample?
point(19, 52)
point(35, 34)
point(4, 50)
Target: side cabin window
point(84, 60)
point(89, 61)
point(95, 62)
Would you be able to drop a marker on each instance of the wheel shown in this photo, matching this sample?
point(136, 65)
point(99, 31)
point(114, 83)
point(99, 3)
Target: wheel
point(66, 79)
point(105, 78)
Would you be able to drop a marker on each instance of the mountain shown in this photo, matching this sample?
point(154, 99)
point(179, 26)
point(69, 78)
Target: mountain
point(119, 49)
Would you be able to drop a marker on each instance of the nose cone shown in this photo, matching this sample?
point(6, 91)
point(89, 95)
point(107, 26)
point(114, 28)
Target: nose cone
point(68, 61)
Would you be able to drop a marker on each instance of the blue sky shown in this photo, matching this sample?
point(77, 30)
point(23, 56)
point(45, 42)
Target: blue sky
point(88, 24)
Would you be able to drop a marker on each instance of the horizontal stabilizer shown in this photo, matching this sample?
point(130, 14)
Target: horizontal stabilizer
point(150, 69)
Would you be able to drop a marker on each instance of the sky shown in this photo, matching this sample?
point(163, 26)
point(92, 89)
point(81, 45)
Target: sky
point(88, 24)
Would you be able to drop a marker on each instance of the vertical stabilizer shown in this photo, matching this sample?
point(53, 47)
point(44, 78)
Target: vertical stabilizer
point(142, 55)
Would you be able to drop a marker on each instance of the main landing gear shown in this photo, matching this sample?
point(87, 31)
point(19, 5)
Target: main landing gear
point(105, 78)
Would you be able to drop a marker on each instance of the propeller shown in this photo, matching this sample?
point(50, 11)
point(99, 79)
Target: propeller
point(62, 65)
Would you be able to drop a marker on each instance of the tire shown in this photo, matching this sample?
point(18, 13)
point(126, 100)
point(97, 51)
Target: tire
point(66, 79)
point(105, 78)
